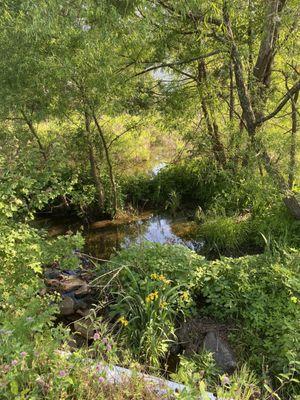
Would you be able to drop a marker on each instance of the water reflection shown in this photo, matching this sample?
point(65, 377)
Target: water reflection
point(158, 167)
point(104, 242)
point(104, 238)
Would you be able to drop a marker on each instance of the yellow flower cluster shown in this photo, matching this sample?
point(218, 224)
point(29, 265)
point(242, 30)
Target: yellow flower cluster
point(185, 296)
point(163, 304)
point(152, 296)
point(123, 321)
point(161, 278)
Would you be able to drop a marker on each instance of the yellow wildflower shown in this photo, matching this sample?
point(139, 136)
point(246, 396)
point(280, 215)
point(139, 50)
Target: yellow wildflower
point(123, 321)
point(163, 279)
point(152, 296)
point(163, 304)
point(185, 296)
point(294, 299)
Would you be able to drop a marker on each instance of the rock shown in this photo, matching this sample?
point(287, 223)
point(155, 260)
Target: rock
point(67, 306)
point(83, 313)
point(52, 273)
point(53, 283)
point(162, 388)
point(76, 293)
point(198, 333)
point(82, 290)
point(70, 283)
point(192, 332)
point(70, 272)
point(84, 328)
point(72, 344)
point(221, 351)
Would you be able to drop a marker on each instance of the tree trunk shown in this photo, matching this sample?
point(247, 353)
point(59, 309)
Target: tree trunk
point(93, 164)
point(292, 164)
point(251, 120)
point(250, 44)
point(110, 168)
point(263, 67)
point(212, 126)
point(231, 93)
point(35, 135)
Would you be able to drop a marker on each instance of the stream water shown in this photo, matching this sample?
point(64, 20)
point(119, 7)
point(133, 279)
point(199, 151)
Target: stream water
point(105, 241)
point(104, 238)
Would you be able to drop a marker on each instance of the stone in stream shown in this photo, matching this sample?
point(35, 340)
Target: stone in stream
point(67, 306)
point(75, 292)
point(83, 289)
point(70, 304)
point(71, 283)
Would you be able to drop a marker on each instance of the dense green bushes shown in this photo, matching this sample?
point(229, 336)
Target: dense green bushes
point(238, 212)
point(35, 358)
point(156, 287)
point(195, 183)
point(151, 295)
point(262, 294)
point(258, 294)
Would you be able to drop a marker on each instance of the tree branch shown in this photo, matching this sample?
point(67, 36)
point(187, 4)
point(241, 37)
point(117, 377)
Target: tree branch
point(295, 89)
point(123, 133)
point(172, 64)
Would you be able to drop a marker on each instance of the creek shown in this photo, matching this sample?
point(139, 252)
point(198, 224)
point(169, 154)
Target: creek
point(105, 238)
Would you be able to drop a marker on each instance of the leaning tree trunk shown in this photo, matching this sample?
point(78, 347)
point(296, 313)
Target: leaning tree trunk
point(252, 119)
point(212, 126)
point(110, 168)
point(231, 93)
point(93, 164)
point(34, 133)
point(292, 165)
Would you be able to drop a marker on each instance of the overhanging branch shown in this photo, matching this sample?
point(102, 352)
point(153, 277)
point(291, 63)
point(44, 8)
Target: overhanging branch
point(176, 63)
point(295, 89)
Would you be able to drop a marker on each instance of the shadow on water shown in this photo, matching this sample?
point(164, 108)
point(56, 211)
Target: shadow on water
point(104, 238)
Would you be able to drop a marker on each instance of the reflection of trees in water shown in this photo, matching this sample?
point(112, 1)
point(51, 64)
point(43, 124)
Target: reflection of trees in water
point(103, 243)
point(106, 241)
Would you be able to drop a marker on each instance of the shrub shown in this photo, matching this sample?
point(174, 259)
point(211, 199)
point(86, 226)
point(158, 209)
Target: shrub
point(177, 262)
point(224, 233)
point(147, 308)
point(152, 293)
point(261, 294)
point(245, 211)
point(193, 183)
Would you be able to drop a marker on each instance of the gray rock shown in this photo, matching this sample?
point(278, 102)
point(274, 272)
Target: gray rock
point(192, 332)
point(85, 328)
point(221, 351)
point(66, 306)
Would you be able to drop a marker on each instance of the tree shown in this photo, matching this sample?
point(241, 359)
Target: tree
point(185, 33)
point(72, 67)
